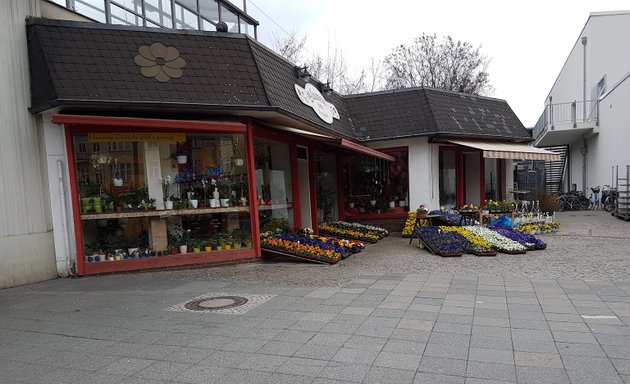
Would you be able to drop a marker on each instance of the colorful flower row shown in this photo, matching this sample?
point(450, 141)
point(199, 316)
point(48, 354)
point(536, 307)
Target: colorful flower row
point(525, 239)
point(305, 247)
point(534, 229)
point(378, 231)
point(499, 242)
point(442, 243)
point(474, 244)
point(410, 224)
point(348, 234)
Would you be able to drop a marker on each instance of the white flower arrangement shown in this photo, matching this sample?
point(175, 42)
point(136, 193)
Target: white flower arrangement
point(499, 242)
point(98, 159)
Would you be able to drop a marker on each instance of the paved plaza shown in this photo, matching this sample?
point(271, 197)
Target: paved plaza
point(391, 314)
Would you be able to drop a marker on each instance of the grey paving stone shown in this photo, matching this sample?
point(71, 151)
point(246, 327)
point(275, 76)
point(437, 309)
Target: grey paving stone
point(491, 321)
point(536, 359)
point(355, 356)
point(163, 370)
point(316, 351)
point(499, 356)
point(490, 342)
point(225, 359)
point(240, 376)
point(590, 369)
point(303, 367)
point(420, 325)
point(398, 360)
point(365, 342)
point(404, 346)
point(280, 378)
point(282, 348)
point(260, 362)
point(483, 370)
point(578, 349)
point(443, 366)
point(617, 352)
point(622, 366)
point(435, 378)
point(472, 380)
point(344, 371)
point(378, 375)
point(126, 366)
point(540, 375)
point(574, 337)
point(420, 315)
point(329, 339)
point(464, 329)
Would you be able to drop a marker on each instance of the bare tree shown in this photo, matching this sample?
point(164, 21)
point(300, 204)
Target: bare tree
point(445, 64)
point(290, 47)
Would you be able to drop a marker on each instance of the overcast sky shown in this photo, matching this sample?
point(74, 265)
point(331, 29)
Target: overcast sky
point(527, 41)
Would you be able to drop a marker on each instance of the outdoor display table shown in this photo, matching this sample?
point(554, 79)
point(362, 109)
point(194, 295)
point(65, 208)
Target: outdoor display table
point(468, 216)
point(428, 220)
point(483, 214)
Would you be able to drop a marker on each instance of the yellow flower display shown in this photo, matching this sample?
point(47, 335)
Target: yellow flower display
point(469, 236)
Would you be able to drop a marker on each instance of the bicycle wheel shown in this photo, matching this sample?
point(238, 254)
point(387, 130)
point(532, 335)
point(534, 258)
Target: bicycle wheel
point(562, 204)
point(584, 204)
point(609, 205)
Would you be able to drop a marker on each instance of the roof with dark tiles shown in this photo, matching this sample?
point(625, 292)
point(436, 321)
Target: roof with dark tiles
point(75, 63)
point(432, 112)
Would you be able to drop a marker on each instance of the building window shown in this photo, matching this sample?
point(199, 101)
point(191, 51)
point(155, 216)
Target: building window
point(127, 208)
point(373, 186)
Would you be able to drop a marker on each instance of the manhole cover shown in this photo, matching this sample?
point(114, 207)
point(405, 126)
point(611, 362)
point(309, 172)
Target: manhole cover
point(222, 303)
point(215, 303)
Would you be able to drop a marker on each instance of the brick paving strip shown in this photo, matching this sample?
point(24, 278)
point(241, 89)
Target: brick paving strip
point(382, 316)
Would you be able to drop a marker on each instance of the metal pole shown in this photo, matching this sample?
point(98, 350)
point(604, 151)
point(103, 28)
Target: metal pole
point(584, 40)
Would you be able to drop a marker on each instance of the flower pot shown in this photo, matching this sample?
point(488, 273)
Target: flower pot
point(351, 205)
point(197, 250)
point(219, 248)
point(228, 247)
point(237, 245)
point(248, 244)
point(225, 202)
point(207, 249)
point(173, 251)
point(117, 182)
point(182, 159)
point(402, 203)
point(392, 204)
point(168, 204)
point(215, 203)
point(373, 203)
point(183, 249)
point(238, 162)
point(244, 201)
point(133, 251)
point(194, 203)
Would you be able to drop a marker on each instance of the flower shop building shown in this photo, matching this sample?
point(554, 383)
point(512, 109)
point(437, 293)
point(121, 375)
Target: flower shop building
point(170, 145)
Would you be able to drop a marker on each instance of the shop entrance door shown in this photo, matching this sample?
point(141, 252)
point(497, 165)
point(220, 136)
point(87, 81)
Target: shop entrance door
point(305, 186)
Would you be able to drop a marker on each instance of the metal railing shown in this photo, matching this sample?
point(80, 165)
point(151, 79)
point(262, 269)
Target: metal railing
point(567, 113)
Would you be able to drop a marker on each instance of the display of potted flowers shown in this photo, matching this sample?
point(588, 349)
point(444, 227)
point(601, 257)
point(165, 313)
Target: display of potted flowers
point(422, 210)
point(499, 242)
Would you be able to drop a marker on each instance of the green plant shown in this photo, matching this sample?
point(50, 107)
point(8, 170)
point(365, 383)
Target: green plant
point(276, 224)
point(548, 202)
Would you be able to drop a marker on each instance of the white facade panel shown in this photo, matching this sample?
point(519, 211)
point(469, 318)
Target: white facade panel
point(423, 169)
point(27, 253)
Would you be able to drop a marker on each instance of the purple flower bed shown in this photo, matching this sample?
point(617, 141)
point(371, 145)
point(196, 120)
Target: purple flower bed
point(525, 239)
point(442, 243)
point(448, 218)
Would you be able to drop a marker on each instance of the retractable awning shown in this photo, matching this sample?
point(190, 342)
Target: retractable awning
point(498, 150)
point(347, 144)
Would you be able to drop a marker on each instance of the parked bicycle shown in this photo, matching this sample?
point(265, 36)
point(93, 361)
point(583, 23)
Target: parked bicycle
point(609, 198)
point(573, 201)
point(596, 202)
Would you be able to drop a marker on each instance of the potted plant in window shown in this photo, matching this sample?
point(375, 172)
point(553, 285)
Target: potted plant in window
point(422, 211)
point(117, 178)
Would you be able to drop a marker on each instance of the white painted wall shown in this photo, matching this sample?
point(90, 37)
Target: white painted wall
point(423, 169)
point(26, 243)
point(607, 53)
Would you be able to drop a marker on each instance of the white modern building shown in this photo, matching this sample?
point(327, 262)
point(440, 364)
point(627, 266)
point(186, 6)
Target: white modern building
point(586, 110)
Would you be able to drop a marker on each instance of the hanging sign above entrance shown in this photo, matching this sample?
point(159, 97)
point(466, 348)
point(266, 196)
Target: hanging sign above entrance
point(134, 137)
point(311, 96)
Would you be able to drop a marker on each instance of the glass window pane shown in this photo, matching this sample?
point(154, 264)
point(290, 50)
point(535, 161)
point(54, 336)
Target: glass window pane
point(230, 19)
point(190, 4)
point(157, 196)
point(184, 19)
point(448, 181)
point(121, 16)
point(209, 9)
point(159, 12)
point(92, 9)
point(492, 182)
point(273, 183)
point(132, 5)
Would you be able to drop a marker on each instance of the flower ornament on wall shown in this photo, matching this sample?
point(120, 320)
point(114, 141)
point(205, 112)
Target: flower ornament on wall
point(160, 62)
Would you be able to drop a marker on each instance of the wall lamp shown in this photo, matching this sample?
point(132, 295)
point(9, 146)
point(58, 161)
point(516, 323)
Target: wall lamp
point(302, 73)
point(325, 88)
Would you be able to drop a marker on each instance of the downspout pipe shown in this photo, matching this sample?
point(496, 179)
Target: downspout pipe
point(584, 41)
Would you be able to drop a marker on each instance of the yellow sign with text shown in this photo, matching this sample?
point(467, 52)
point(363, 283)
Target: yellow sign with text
point(134, 137)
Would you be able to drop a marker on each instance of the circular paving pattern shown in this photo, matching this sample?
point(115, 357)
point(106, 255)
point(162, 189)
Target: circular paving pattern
point(215, 303)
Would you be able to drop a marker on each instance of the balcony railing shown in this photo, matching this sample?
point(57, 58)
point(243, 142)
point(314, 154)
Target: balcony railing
point(567, 113)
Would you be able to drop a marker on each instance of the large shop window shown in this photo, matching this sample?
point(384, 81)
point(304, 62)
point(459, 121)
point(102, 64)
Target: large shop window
point(448, 178)
point(273, 183)
point(157, 194)
point(375, 186)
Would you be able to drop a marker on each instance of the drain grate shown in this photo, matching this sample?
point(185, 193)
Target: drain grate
point(215, 303)
point(222, 303)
